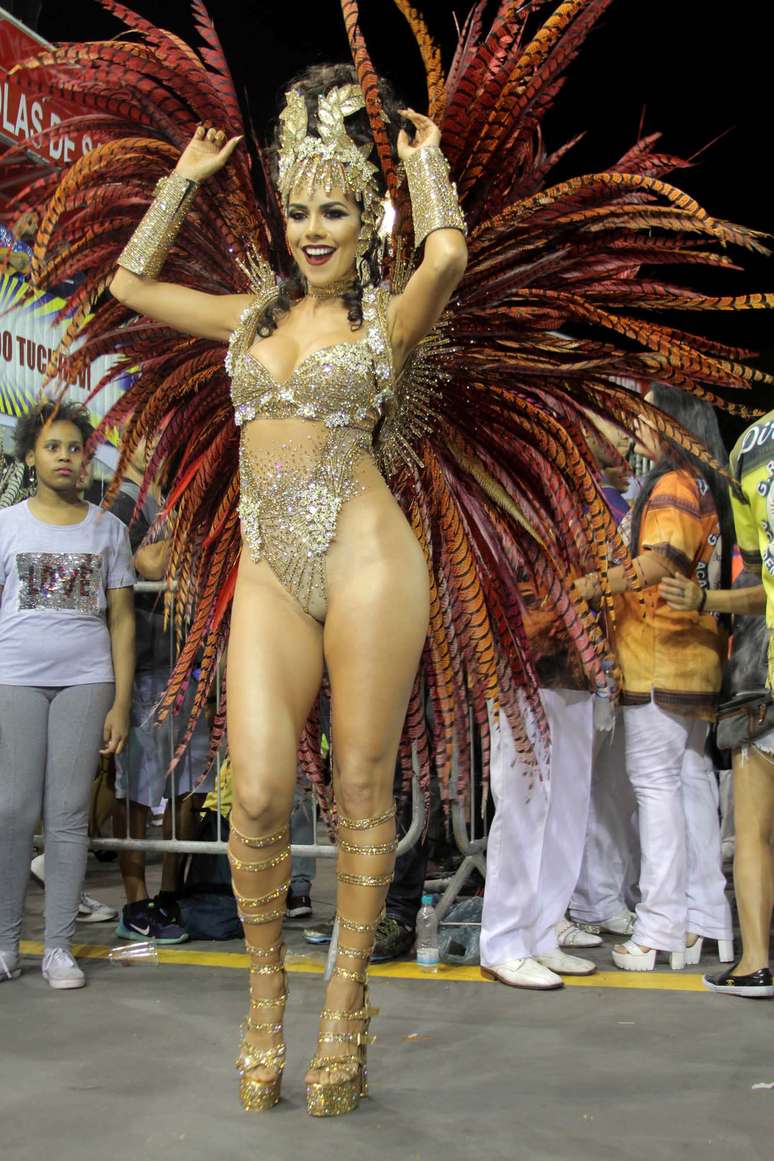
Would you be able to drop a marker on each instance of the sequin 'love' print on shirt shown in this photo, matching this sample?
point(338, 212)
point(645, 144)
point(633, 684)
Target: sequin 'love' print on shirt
point(60, 580)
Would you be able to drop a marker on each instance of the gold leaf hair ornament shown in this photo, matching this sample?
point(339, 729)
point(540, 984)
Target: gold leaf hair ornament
point(330, 159)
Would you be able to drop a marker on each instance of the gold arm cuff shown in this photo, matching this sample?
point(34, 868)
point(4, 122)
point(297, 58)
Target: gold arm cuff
point(434, 203)
point(150, 243)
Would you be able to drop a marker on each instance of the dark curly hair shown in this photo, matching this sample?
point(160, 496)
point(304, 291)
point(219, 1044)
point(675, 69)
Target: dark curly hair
point(29, 426)
point(311, 83)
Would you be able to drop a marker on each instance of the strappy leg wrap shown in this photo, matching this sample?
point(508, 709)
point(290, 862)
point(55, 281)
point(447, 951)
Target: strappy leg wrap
point(364, 872)
point(259, 870)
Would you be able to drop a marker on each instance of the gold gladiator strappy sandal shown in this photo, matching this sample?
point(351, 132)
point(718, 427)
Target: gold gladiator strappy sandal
point(348, 1028)
point(266, 961)
point(332, 1098)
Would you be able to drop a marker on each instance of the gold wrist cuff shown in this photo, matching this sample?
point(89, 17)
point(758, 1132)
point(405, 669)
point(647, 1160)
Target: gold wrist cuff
point(434, 203)
point(150, 243)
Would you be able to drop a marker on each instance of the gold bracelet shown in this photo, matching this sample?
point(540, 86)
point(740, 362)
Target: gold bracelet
point(150, 243)
point(434, 203)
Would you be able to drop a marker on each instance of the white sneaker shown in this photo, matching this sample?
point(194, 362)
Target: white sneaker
point(37, 870)
point(91, 910)
point(567, 965)
point(10, 967)
point(61, 970)
point(523, 973)
point(622, 923)
point(569, 935)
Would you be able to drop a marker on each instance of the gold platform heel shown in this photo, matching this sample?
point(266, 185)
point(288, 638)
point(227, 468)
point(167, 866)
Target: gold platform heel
point(333, 1098)
point(348, 1070)
point(258, 1095)
point(265, 961)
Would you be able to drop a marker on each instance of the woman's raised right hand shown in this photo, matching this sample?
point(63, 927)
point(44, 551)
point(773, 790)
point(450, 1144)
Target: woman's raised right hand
point(205, 153)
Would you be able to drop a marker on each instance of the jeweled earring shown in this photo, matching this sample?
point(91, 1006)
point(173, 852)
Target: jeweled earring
point(33, 475)
point(362, 265)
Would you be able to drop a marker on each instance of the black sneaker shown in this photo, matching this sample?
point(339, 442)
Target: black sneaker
point(755, 986)
point(393, 940)
point(142, 920)
point(298, 906)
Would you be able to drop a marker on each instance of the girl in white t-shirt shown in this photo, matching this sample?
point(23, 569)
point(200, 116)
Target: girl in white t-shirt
point(66, 666)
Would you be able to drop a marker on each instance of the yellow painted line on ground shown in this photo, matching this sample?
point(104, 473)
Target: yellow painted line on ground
point(667, 981)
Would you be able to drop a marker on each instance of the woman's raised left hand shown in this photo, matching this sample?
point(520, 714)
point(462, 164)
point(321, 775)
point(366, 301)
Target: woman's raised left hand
point(426, 134)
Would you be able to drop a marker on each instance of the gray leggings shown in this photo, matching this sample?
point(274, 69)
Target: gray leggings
point(49, 747)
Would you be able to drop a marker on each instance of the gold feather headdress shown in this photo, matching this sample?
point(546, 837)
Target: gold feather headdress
point(330, 159)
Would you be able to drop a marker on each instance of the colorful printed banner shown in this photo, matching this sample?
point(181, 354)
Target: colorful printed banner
point(29, 336)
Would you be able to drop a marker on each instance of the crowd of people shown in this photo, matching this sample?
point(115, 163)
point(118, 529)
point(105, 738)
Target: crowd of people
point(623, 834)
point(352, 533)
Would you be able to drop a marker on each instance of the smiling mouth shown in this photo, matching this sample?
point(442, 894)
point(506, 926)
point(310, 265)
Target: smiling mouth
point(318, 255)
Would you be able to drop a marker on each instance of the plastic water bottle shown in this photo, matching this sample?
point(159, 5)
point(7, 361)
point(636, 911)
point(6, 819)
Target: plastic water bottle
point(427, 936)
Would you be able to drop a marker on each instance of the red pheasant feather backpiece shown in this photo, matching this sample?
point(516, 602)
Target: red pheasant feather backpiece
point(557, 315)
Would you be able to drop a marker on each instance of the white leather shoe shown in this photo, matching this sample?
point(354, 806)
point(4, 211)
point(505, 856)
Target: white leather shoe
point(523, 973)
point(622, 923)
point(569, 935)
point(567, 965)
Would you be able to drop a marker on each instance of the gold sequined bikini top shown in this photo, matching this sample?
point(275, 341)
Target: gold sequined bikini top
point(346, 384)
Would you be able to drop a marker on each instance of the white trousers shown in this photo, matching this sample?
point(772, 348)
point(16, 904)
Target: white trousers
point(536, 839)
point(681, 879)
point(611, 857)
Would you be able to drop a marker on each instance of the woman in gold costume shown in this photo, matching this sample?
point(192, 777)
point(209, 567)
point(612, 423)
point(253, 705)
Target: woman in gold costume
point(331, 575)
point(481, 436)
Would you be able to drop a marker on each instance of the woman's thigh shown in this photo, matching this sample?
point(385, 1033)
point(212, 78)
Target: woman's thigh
point(754, 795)
point(23, 742)
point(375, 630)
point(274, 674)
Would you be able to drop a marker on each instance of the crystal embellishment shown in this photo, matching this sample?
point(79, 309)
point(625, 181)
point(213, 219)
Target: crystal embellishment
point(292, 491)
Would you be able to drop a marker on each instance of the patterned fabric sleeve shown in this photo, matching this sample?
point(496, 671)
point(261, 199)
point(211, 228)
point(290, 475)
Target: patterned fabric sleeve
point(672, 522)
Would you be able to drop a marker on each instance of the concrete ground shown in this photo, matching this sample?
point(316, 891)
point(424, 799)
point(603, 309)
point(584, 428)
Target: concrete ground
point(138, 1065)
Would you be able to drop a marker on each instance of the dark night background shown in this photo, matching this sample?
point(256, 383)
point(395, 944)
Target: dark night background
point(698, 70)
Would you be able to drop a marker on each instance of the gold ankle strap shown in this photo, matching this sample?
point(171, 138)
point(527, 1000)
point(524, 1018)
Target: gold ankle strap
point(354, 952)
point(348, 974)
point(269, 1001)
point(257, 920)
point(259, 843)
point(364, 880)
point(261, 865)
point(361, 928)
point(259, 900)
point(364, 1013)
point(357, 1038)
point(266, 952)
point(376, 849)
point(366, 823)
point(267, 969)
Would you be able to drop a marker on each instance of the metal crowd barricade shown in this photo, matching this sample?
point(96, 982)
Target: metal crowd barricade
point(314, 850)
point(470, 844)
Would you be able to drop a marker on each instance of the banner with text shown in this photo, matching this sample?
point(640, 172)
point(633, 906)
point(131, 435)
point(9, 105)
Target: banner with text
point(24, 111)
point(29, 336)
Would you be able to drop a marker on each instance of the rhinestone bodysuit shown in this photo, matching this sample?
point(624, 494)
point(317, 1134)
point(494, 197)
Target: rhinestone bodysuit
point(292, 491)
